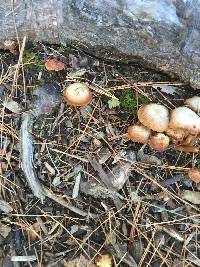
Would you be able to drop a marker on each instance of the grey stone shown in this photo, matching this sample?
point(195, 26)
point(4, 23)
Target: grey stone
point(160, 34)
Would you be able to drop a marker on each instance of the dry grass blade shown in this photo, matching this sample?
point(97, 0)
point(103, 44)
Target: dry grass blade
point(102, 91)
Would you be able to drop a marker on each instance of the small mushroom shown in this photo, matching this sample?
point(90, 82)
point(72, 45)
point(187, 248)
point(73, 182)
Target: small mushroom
point(194, 175)
point(176, 134)
point(190, 149)
point(190, 140)
point(11, 45)
point(154, 116)
point(54, 65)
point(77, 94)
point(185, 119)
point(193, 103)
point(159, 142)
point(104, 260)
point(139, 133)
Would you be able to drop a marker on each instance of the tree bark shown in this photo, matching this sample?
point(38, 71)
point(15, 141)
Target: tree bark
point(161, 34)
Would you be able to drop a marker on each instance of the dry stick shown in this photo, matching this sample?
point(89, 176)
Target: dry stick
point(26, 151)
point(65, 204)
point(18, 65)
point(141, 84)
point(69, 155)
point(102, 174)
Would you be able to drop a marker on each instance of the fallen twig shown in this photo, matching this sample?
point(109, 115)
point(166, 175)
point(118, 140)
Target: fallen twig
point(65, 204)
point(26, 147)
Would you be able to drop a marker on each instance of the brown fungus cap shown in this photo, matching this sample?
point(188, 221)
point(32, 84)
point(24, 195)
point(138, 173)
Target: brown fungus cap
point(104, 260)
point(185, 119)
point(139, 133)
point(159, 142)
point(77, 94)
point(187, 149)
point(154, 117)
point(194, 175)
point(193, 103)
point(54, 65)
point(176, 134)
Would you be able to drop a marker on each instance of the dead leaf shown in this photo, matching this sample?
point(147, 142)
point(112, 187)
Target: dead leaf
point(191, 196)
point(4, 230)
point(13, 106)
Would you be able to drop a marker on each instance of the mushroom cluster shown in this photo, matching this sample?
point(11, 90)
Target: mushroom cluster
point(158, 126)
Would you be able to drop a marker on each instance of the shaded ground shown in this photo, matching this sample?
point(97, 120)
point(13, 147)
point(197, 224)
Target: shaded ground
point(145, 223)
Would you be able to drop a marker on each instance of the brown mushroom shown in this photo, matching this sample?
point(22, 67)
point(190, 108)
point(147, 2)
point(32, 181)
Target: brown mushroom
point(54, 65)
point(194, 175)
point(77, 94)
point(11, 45)
point(154, 116)
point(139, 133)
point(185, 119)
point(176, 134)
point(104, 260)
point(193, 103)
point(189, 149)
point(190, 140)
point(159, 142)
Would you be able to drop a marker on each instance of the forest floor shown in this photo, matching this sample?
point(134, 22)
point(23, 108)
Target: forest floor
point(82, 222)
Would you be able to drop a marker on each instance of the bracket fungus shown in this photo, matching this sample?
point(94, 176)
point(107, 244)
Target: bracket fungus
point(78, 94)
point(139, 133)
point(154, 116)
point(185, 119)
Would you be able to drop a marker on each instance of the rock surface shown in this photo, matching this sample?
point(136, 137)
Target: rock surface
point(161, 34)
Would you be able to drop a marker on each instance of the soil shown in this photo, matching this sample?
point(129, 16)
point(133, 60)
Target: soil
point(144, 222)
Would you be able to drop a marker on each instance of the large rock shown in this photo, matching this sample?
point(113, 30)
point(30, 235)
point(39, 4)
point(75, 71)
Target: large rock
point(161, 34)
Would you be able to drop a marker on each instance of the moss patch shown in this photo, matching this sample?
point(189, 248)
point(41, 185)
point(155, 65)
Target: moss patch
point(128, 100)
point(31, 59)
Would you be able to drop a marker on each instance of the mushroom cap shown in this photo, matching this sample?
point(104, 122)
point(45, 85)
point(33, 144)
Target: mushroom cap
point(176, 134)
point(193, 103)
point(104, 260)
point(154, 116)
point(54, 64)
point(194, 175)
point(139, 133)
point(185, 119)
point(77, 94)
point(186, 148)
point(9, 44)
point(159, 142)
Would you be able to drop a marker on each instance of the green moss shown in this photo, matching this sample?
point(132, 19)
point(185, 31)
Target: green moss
point(136, 76)
point(70, 50)
point(61, 49)
point(198, 163)
point(128, 100)
point(32, 60)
